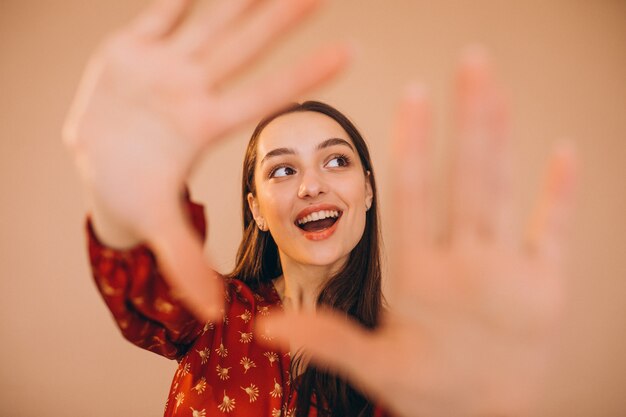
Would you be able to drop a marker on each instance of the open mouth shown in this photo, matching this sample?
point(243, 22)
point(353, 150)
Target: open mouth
point(319, 220)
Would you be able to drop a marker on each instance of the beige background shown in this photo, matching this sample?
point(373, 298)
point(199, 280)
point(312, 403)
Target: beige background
point(564, 63)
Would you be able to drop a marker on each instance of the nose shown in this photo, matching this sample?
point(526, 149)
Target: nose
point(312, 185)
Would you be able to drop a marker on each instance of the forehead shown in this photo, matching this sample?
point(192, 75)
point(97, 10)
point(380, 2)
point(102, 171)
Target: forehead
point(300, 131)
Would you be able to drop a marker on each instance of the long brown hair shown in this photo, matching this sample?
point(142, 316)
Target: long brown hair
point(355, 289)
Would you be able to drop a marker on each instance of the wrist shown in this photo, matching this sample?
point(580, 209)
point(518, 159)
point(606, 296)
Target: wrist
point(110, 233)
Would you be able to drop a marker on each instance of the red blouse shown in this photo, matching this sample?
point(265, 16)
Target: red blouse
point(222, 369)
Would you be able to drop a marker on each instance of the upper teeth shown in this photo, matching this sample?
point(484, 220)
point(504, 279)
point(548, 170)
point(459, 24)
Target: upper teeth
point(318, 215)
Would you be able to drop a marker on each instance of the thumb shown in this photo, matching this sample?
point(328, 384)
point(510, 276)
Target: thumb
point(330, 340)
point(181, 258)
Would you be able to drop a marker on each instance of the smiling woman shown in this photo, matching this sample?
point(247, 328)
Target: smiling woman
point(310, 225)
point(310, 239)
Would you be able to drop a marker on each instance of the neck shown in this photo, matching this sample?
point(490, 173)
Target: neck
point(300, 285)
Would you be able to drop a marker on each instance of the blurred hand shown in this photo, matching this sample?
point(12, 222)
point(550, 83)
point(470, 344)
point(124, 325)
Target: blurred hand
point(472, 310)
point(158, 92)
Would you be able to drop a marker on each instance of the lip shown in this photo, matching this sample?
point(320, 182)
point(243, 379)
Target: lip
point(318, 207)
point(323, 234)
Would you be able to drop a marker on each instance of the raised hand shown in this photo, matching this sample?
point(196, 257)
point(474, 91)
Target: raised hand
point(473, 307)
point(158, 92)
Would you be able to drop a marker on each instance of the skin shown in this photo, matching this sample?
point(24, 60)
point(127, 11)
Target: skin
point(473, 310)
point(308, 176)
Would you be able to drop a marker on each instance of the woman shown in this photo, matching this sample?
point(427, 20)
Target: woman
point(152, 99)
point(158, 92)
point(310, 237)
point(308, 183)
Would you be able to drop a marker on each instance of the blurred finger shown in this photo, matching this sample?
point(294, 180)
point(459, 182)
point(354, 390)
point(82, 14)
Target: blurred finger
point(278, 89)
point(161, 18)
point(549, 224)
point(468, 187)
point(211, 22)
point(180, 256)
point(253, 37)
point(330, 340)
point(496, 218)
point(410, 172)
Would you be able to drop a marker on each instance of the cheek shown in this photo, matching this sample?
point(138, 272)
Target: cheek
point(275, 206)
point(354, 192)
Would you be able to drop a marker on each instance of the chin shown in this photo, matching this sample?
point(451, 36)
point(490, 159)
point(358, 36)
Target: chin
point(325, 258)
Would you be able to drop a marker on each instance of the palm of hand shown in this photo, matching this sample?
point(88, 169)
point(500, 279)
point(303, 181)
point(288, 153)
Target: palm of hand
point(139, 131)
point(498, 286)
point(153, 98)
point(476, 319)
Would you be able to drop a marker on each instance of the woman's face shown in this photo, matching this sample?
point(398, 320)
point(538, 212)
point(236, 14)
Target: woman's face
point(311, 189)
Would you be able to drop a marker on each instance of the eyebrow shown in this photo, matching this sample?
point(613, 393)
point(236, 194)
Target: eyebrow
point(290, 151)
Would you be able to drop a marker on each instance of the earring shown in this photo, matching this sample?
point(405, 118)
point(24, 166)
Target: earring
point(261, 225)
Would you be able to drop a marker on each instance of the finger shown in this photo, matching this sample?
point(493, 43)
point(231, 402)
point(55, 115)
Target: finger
point(410, 173)
point(330, 340)
point(180, 256)
point(497, 214)
point(549, 224)
point(249, 40)
point(160, 18)
point(213, 21)
point(278, 89)
point(468, 187)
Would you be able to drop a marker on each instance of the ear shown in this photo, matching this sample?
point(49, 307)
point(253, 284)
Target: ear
point(256, 212)
point(369, 193)
point(253, 205)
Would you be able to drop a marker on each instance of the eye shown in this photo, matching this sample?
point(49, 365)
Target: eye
point(281, 171)
point(338, 161)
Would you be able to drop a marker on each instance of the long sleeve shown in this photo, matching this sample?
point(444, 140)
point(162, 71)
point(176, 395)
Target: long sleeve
point(139, 299)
